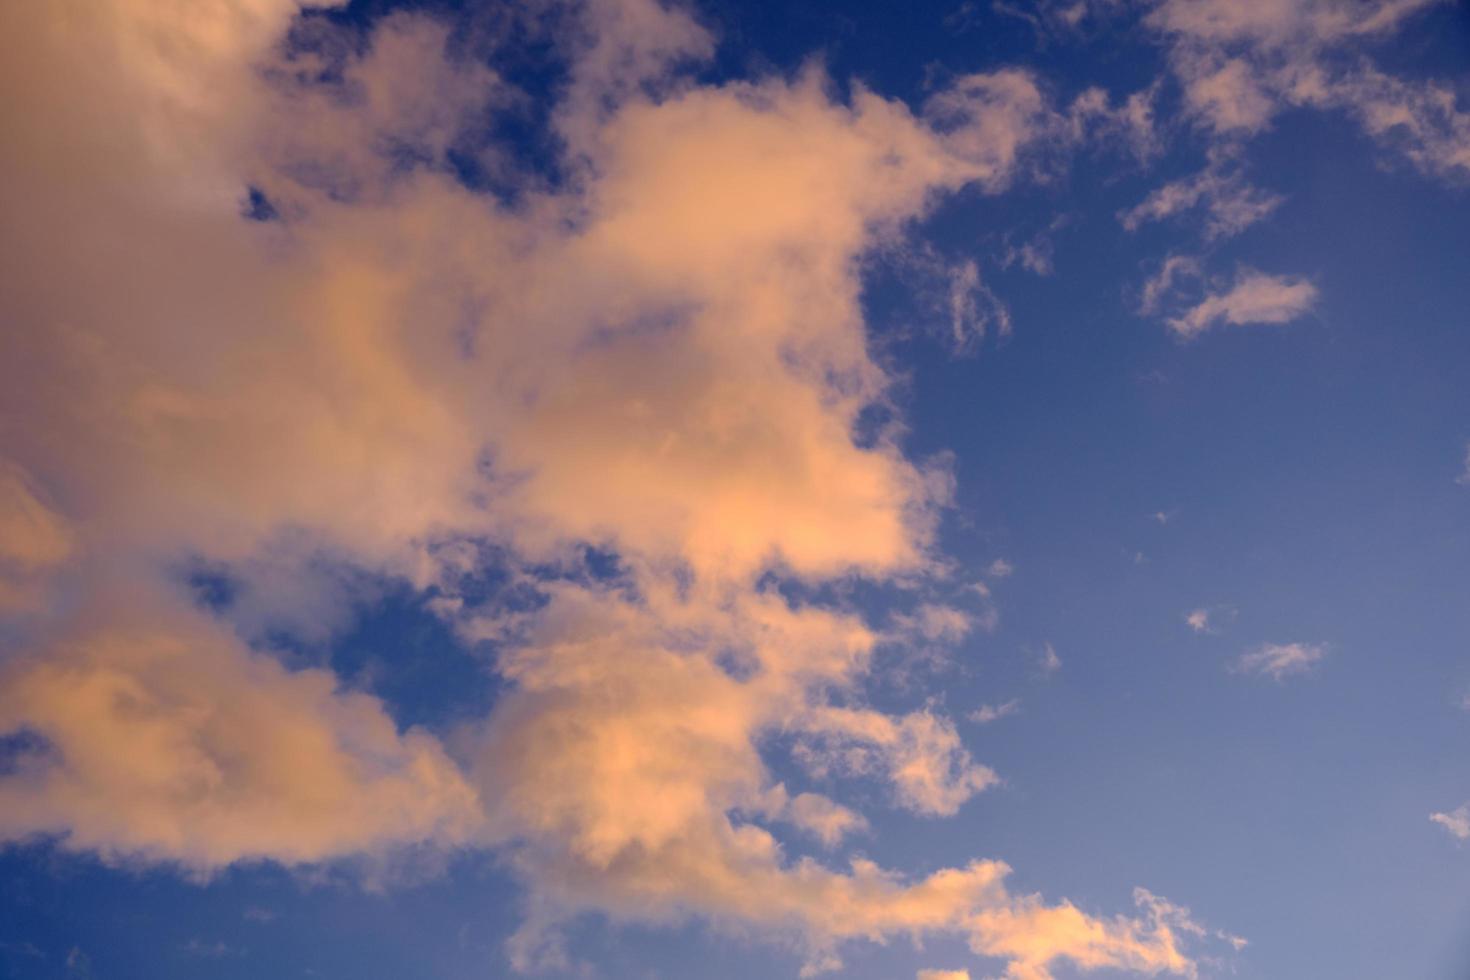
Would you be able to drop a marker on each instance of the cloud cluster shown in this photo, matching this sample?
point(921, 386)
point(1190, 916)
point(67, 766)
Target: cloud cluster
point(1238, 67)
point(1242, 64)
point(661, 354)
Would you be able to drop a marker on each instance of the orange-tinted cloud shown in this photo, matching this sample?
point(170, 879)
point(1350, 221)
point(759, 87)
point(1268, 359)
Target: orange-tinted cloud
point(666, 357)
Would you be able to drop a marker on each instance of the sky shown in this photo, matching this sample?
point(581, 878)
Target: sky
point(624, 489)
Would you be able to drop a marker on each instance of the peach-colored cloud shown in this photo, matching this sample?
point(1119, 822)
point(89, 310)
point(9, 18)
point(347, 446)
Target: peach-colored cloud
point(34, 540)
point(1240, 64)
point(164, 739)
point(666, 357)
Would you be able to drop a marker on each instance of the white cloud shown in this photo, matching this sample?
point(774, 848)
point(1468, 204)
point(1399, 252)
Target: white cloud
point(1281, 660)
point(1254, 298)
point(1456, 823)
point(1198, 620)
point(1000, 568)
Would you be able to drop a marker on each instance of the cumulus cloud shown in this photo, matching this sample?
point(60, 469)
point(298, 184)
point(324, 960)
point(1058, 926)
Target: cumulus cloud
point(159, 736)
point(662, 356)
point(1198, 620)
point(1254, 298)
point(1279, 661)
point(1456, 823)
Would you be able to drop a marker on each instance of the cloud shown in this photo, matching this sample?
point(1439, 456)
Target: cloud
point(974, 309)
point(1000, 568)
point(943, 975)
point(163, 738)
point(829, 822)
point(1198, 620)
point(1161, 286)
point(1464, 478)
point(1456, 823)
point(987, 713)
point(1050, 662)
point(938, 623)
point(920, 754)
point(663, 357)
point(34, 540)
point(1281, 660)
point(1231, 204)
point(1242, 64)
point(1255, 297)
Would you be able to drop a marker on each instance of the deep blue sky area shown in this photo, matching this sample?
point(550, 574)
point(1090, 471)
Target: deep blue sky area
point(1297, 478)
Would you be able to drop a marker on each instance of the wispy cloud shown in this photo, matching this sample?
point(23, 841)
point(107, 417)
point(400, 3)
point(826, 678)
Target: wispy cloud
point(1281, 660)
point(1456, 822)
point(1048, 659)
point(1255, 297)
point(987, 713)
point(1231, 205)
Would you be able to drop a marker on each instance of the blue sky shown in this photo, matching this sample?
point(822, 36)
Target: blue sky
point(735, 489)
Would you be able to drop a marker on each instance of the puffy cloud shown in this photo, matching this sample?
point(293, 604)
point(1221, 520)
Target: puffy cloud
point(663, 356)
point(1281, 660)
point(829, 822)
point(1255, 297)
point(157, 736)
point(1456, 823)
point(1198, 620)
